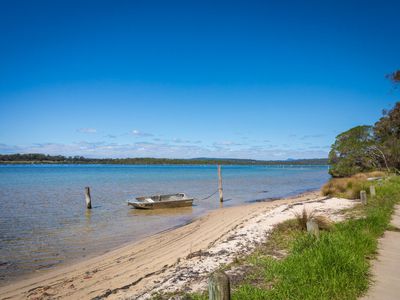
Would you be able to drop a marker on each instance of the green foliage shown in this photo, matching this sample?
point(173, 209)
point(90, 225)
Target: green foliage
point(387, 134)
point(365, 148)
point(334, 267)
point(179, 295)
point(395, 77)
point(348, 153)
point(248, 291)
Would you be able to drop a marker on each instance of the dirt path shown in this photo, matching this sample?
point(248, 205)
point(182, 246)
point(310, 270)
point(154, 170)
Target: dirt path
point(386, 269)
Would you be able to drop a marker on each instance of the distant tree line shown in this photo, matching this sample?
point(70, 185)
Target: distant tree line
point(37, 158)
point(367, 148)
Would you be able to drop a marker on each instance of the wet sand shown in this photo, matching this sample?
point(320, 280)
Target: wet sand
point(44, 223)
point(138, 269)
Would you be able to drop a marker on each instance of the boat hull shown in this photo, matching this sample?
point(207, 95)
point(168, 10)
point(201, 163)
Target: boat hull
point(161, 204)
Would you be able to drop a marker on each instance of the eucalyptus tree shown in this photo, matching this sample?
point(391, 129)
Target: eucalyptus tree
point(350, 152)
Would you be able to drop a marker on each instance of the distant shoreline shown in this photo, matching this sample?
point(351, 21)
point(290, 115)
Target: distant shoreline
point(153, 164)
point(59, 159)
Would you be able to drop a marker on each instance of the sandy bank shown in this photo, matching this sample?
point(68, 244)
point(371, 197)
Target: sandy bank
point(176, 259)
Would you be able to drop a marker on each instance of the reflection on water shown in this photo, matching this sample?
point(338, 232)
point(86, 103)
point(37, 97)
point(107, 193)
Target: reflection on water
point(179, 211)
point(44, 221)
point(88, 215)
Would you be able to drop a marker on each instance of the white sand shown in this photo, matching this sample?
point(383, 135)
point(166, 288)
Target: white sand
point(161, 263)
point(191, 274)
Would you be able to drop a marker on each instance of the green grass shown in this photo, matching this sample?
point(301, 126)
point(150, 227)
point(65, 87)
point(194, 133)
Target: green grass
point(180, 296)
point(294, 265)
point(334, 267)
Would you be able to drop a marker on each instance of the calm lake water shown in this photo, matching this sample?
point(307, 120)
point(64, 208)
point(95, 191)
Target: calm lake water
point(44, 222)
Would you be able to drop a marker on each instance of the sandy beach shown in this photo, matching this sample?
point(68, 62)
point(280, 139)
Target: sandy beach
point(180, 258)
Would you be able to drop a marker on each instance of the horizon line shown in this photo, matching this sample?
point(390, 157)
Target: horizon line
point(165, 158)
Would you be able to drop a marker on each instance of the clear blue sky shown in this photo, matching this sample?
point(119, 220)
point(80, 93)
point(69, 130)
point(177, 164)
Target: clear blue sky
point(244, 79)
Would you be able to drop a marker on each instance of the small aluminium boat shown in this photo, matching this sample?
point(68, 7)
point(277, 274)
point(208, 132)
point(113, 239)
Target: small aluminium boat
point(162, 201)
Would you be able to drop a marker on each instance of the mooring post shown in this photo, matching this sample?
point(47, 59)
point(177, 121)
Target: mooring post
point(372, 191)
point(363, 197)
point(312, 228)
point(221, 193)
point(88, 198)
point(219, 286)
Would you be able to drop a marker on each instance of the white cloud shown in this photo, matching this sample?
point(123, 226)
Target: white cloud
point(139, 133)
point(110, 136)
point(182, 141)
point(226, 144)
point(312, 136)
point(9, 149)
point(87, 130)
point(148, 149)
point(177, 141)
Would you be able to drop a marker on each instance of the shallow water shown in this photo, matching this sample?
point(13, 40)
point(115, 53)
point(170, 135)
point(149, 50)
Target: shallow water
point(44, 222)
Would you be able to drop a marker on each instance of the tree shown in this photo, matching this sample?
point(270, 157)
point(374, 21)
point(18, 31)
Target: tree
point(351, 152)
point(395, 77)
point(387, 135)
point(364, 148)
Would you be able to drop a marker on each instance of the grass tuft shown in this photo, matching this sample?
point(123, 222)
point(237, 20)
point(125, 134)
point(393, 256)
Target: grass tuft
point(294, 265)
point(334, 267)
point(302, 218)
point(350, 187)
point(323, 222)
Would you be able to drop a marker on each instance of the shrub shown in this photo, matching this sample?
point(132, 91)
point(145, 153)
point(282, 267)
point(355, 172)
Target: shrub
point(302, 218)
point(349, 187)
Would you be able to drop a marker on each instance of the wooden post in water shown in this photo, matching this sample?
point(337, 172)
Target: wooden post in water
point(88, 198)
point(221, 193)
point(312, 228)
point(372, 190)
point(219, 286)
point(363, 197)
